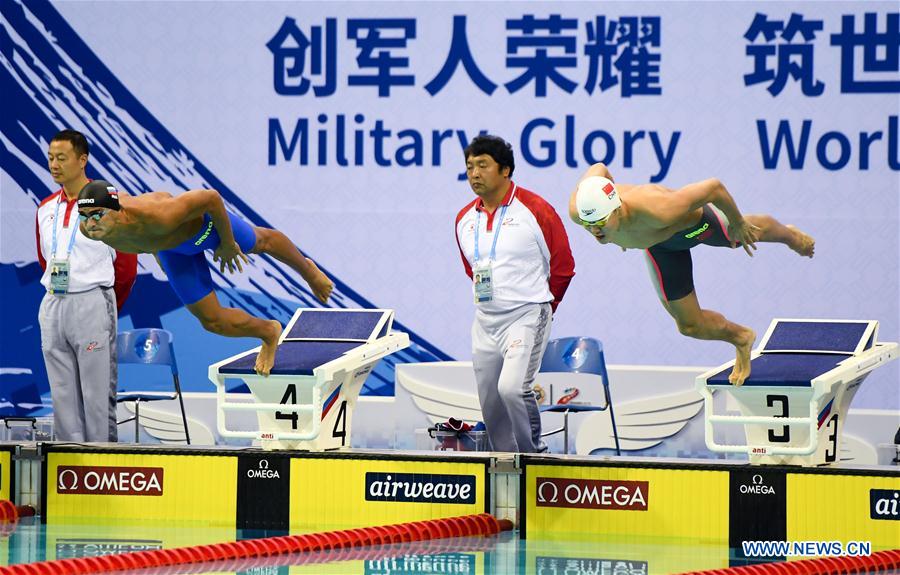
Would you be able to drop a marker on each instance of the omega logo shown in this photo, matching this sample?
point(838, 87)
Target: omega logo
point(757, 487)
point(262, 471)
point(79, 479)
point(592, 494)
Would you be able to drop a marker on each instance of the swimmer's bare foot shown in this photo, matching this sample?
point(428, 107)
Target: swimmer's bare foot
point(802, 243)
point(319, 283)
point(266, 357)
point(741, 370)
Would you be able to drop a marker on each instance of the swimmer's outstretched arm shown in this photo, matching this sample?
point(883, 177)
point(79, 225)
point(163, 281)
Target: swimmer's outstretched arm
point(192, 205)
point(669, 208)
point(664, 208)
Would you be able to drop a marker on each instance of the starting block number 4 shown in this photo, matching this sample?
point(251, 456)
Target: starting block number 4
point(339, 430)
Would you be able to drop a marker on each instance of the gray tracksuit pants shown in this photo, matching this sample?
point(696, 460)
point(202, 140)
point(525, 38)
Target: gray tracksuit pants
point(507, 348)
point(78, 338)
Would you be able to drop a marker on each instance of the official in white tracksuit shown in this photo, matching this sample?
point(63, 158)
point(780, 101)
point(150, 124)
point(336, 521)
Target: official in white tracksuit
point(516, 251)
point(86, 282)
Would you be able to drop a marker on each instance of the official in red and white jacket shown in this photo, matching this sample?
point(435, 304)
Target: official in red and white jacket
point(516, 251)
point(87, 282)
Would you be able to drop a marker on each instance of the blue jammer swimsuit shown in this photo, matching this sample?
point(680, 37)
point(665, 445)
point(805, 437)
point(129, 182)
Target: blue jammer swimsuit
point(186, 266)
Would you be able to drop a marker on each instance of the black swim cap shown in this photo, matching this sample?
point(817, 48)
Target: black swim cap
point(99, 194)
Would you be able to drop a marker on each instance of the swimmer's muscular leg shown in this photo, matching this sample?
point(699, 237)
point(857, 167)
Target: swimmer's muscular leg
point(277, 245)
point(707, 324)
point(232, 322)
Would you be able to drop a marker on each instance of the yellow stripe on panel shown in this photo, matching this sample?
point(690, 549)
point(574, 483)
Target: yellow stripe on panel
point(5, 475)
point(844, 508)
point(121, 487)
point(626, 503)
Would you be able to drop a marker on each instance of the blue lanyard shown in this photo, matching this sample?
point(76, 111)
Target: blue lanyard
point(496, 234)
point(55, 223)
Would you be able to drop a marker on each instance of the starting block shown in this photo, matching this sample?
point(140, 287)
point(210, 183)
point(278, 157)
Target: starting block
point(322, 361)
point(803, 376)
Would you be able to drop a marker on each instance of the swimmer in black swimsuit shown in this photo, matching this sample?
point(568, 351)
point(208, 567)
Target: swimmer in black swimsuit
point(667, 224)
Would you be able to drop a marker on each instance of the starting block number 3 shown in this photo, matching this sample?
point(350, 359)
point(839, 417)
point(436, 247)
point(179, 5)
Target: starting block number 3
point(784, 436)
point(290, 398)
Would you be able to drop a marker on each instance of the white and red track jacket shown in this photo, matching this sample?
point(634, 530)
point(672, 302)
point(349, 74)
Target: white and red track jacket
point(533, 262)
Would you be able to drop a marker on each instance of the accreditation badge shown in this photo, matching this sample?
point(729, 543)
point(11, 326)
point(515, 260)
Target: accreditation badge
point(59, 276)
point(482, 276)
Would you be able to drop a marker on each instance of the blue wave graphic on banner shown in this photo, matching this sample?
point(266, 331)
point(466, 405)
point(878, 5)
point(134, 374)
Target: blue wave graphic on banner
point(52, 80)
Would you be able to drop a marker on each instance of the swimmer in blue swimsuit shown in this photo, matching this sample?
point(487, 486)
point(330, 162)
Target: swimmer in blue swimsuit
point(178, 230)
point(666, 224)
